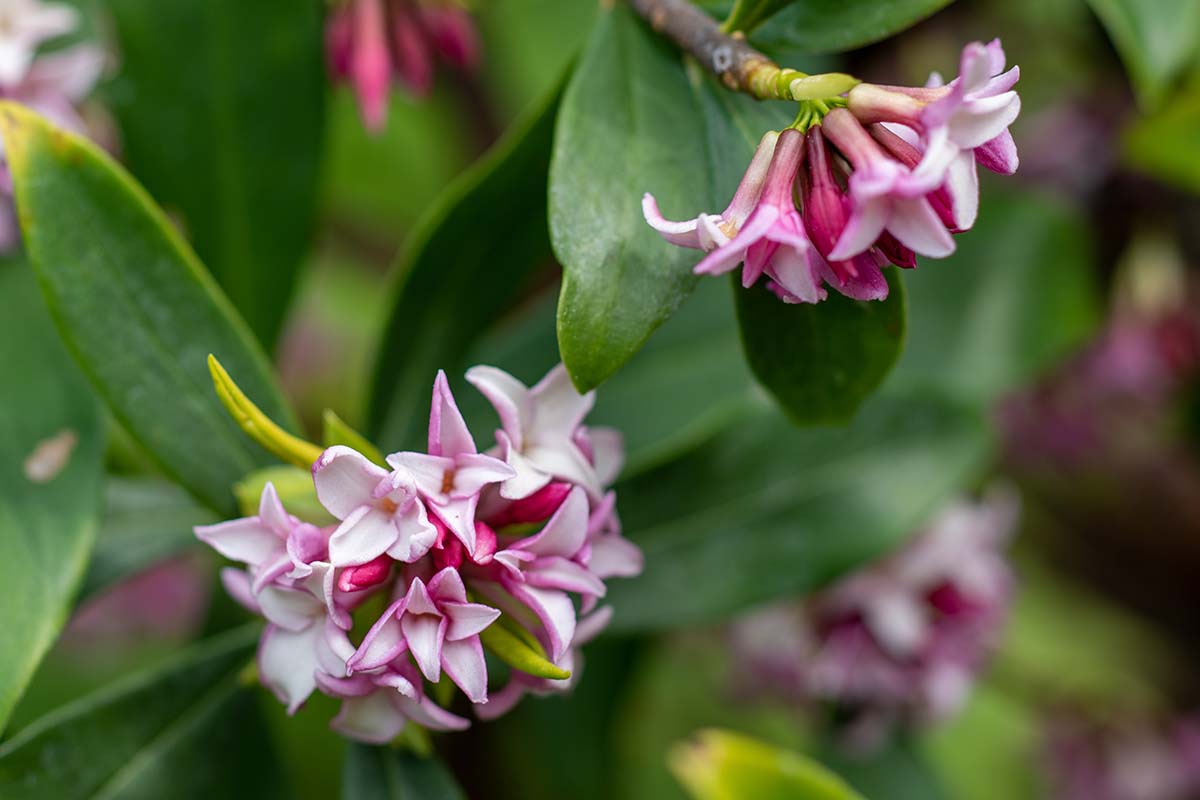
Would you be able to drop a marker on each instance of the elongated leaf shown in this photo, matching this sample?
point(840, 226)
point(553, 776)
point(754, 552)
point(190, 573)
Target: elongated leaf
point(185, 730)
point(766, 509)
point(895, 772)
point(510, 649)
point(51, 445)
point(1156, 40)
point(721, 764)
point(829, 26)
point(821, 361)
point(145, 521)
point(1016, 297)
point(136, 307)
point(378, 773)
point(471, 259)
point(629, 124)
point(237, 161)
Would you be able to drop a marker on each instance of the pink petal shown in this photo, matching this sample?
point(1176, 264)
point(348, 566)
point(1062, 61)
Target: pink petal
point(558, 407)
point(448, 433)
point(430, 715)
point(555, 572)
point(917, 226)
point(467, 619)
point(237, 584)
point(463, 662)
point(345, 480)
point(999, 155)
point(365, 535)
point(507, 395)
point(962, 182)
point(615, 557)
point(681, 234)
point(374, 719)
point(459, 517)
point(565, 461)
point(446, 587)
point(290, 609)
point(608, 453)
point(382, 643)
point(475, 471)
point(982, 120)
point(246, 540)
point(425, 634)
point(555, 611)
point(287, 663)
point(592, 625)
point(528, 480)
point(427, 471)
point(730, 254)
point(415, 533)
point(866, 222)
point(565, 532)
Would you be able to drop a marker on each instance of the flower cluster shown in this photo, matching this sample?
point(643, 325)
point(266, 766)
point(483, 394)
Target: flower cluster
point(373, 43)
point(901, 640)
point(433, 552)
point(51, 83)
point(878, 176)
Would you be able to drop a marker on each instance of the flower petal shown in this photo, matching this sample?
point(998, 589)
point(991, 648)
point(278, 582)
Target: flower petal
point(558, 407)
point(555, 572)
point(448, 432)
point(287, 663)
point(467, 619)
point(363, 536)
point(475, 471)
point(917, 226)
point(374, 719)
point(290, 609)
point(565, 532)
point(345, 480)
point(682, 234)
point(383, 642)
point(425, 634)
point(463, 662)
point(415, 534)
point(867, 220)
point(507, 395)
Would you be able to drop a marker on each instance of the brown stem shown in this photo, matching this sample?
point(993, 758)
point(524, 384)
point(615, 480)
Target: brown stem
point(730, 58)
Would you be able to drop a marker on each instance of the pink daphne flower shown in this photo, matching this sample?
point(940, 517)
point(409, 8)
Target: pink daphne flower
point(439, 627)
point(450, 477)
point(543, 437)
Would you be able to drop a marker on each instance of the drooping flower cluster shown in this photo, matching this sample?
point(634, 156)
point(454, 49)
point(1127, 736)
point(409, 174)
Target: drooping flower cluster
point(373, 44)
point(51, 83)
point(887, 173)
point(901, 640)
point(431, 550)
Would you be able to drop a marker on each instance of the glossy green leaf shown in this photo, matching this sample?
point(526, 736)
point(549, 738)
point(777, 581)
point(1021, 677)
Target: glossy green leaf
point(721, 765)
point(135, 306)
point(145, 521)
point(237, 162)
point(822, 360)
point(51, 445)
point(188, 729)
point(1166, 145)
point(1015, 298)
point(380, 773)
point(767, 509)
point(826, 26)
point(470, 261)
point(1157, 39)
point(628, 124)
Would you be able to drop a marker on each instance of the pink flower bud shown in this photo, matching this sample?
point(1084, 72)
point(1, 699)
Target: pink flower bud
point(452, 33)
point(413, 60)
point(369, 64)
point(364, 576)
point(534, 508)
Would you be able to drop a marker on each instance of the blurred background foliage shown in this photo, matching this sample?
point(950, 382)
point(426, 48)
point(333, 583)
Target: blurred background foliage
point(733, 505)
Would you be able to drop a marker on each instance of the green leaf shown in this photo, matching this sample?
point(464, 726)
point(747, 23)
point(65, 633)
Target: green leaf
point(1166, 145)
point(238, 160)
point(136, 307)
point(520, 654)
point(629, 124)
point(822, 360)
point(767, 509)
point(721, 765)
point(827, 26)
point(51, 446)
point(470, 260)
point(188, 729)
point(894, 772)
point(146, 520)
point(1015, 298)
point(1156, 40)
point(380, 773)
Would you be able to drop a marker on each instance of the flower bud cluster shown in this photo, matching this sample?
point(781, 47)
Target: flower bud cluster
point(899, 641)
point(374, 44)
point(886, 173)
point(433, 553)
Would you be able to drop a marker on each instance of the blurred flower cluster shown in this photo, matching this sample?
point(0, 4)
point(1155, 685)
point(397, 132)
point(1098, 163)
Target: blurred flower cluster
point(434, 552)
point(881, 175)
point(373, 44)
point(52, 83)
point(900, 641)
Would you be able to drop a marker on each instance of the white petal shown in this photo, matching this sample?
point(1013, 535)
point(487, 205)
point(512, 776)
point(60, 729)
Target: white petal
point(507, 395)
point(287, 663)
point(290, 609)
point(425, 634)
point(374, 719)
point(448, 432)
point(345, 480)
point(917, 226)
point(365, 535)
point(866, 222)
point(565, 532)
point(246, 540)
point(681, 234)
point(463, 662)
